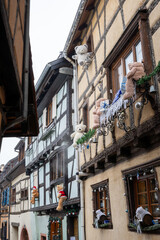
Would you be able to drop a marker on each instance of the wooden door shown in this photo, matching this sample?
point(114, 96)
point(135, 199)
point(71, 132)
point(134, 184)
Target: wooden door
point(56, 230)
point(72, 227)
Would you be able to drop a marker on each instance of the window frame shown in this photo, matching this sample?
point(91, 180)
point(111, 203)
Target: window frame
point(90, 43)
point(140, 25)
point(86, 121)
point(130, 192)
point(54, 165)
point(120, 61)
point(24, 194)
point(13, 195)
point(49, 114)
point(96, 204)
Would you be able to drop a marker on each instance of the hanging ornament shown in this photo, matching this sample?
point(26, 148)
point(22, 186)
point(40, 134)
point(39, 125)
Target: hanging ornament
point(131, 178)
point(152, 170)
point(137, 175)
point(88, 146)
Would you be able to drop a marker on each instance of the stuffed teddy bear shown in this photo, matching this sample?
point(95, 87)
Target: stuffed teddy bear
point(35, 194)
point(83, 57)
point(100, 216)
point(79, 132)
point(97, 113)
point(62, 197)
point(136, 72)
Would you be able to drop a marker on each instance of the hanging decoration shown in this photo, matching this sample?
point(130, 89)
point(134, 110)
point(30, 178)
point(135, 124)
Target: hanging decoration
point(35, 194)
point(83, 57)
point(72, 212)
point(121, 117)
point(136, 72)
point(111, 112)
point(78, 134)
point(62, 197)
point(101, 104)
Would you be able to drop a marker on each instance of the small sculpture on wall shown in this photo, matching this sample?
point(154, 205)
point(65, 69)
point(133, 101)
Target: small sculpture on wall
point(62, 197)
point(35, 194)
point(83, 57)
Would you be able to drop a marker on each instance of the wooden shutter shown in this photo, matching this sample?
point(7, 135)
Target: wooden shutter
point(44, 118)
point(54, 106)
point(8, 196)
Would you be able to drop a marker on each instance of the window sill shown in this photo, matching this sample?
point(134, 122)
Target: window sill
point(24, 198)
point(104, 226)
point(150, 229)
point(48, 131)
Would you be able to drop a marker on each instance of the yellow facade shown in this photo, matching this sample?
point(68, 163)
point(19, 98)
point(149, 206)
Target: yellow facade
point(109, 23)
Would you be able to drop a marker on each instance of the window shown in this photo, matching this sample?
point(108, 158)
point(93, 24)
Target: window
point(49, 114)
point(41, 175)
point(90, 43)
point(41, 196)
point(57, 166)
point(133, 45)
point(86, 116)
point(24, 194)
point(101, 200)
point(132, 53)
point(21, 153)
point(13, 195)
point(142, 190)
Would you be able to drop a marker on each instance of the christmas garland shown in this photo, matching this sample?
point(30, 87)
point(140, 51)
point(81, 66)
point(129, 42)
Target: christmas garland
point(54, 219)
point(146, 229)
point(147, 78)
point(72, 211)
point(86, 136)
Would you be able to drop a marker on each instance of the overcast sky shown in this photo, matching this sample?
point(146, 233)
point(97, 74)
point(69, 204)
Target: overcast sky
point(50, 23)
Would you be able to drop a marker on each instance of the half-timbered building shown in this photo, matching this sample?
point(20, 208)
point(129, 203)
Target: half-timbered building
point(50, 156)
point(5, 185)
point(121, 161)
point(18, 114)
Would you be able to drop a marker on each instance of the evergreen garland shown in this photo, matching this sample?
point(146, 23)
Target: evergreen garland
point(86, 136)
point(146, 229)
point(51, 219)
point(147, 78)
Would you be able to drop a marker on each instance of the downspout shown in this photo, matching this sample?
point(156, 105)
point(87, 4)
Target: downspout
point(26, 60)
point(75, 84)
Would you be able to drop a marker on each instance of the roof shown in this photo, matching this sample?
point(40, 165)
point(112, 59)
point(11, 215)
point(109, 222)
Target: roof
point(79, 24)
point(50, 80)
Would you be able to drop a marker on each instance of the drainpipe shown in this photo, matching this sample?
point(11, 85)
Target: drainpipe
point(75, 83)
point(26, 60)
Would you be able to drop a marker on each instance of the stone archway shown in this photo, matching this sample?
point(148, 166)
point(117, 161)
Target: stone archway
point(24, 234)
